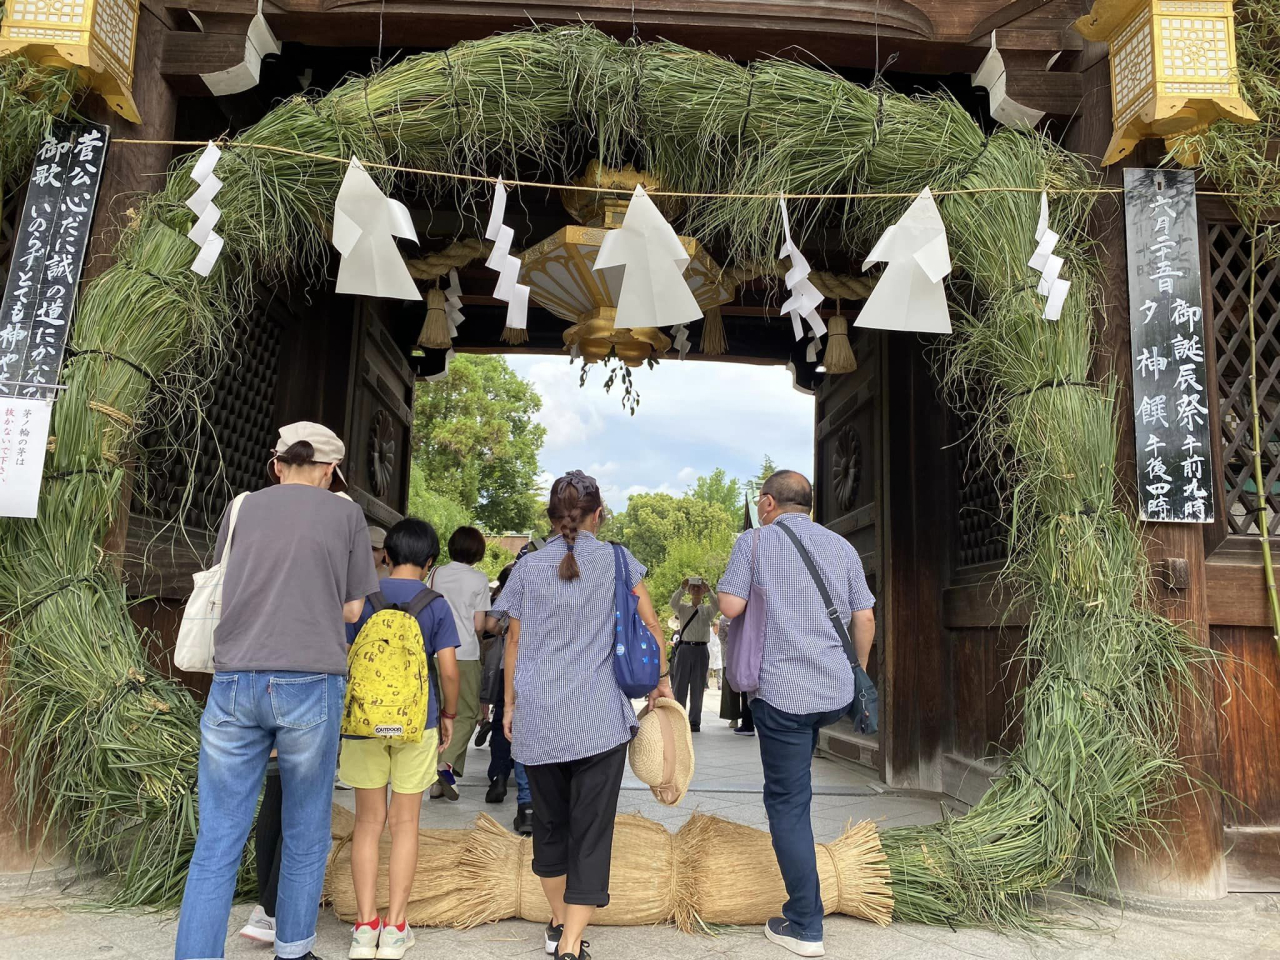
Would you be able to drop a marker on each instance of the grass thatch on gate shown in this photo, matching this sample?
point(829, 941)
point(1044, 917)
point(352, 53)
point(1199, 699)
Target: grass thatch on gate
point(731, 875)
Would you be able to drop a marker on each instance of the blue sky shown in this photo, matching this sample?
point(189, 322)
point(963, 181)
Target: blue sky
point(693, 417)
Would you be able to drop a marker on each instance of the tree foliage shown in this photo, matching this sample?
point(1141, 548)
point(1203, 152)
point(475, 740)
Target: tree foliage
point(719, 488)
point(444, 514)
point(689, 557)
point(767, 469)
point(653, 522)
point(476, 442)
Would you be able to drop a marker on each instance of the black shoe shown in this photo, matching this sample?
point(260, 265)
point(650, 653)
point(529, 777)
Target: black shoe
point(552, 937)
point(580, 955)
point(483, 733)
point(497, 791)
point(308, 956)
point(524, 820)
point(695, 729)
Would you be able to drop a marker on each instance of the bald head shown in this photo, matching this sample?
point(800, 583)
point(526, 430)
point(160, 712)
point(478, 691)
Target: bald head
point(790, 490)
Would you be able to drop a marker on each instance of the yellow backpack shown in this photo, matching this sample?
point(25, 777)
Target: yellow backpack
point(388, 677)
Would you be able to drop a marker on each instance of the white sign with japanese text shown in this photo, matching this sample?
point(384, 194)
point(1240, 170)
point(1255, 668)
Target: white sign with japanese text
point(24, 436)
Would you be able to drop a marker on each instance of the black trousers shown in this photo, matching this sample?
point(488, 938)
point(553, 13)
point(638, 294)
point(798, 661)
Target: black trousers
point(734, 707)
point(689, 679)
point(268, 840)
point(574, 806)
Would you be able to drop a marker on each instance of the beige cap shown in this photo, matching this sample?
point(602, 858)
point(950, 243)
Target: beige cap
point(377, 537)
point(326, 444)
point(662, 752)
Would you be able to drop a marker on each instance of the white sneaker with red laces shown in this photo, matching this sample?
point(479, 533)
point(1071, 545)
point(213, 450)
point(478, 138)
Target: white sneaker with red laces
point(364, 940)
point(260, 928)
point(394, 942)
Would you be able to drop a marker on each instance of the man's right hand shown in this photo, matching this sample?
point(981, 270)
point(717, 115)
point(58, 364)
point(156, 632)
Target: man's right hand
point(508, 718)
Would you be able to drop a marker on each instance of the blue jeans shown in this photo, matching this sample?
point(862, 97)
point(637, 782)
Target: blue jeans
point(247, 714)
point(500, 762)
point(787, 742)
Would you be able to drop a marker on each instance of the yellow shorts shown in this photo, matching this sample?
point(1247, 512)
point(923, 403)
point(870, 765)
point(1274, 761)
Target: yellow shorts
point(372, 764)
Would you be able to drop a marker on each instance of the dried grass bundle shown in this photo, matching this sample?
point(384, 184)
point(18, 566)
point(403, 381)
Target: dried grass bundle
point(714, 854)
point(434, 901)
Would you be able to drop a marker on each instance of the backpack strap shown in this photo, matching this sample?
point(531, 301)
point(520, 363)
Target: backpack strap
point(420, 602)
point(377, 601)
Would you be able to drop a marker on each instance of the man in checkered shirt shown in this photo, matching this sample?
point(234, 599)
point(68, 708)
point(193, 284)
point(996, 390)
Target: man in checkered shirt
point(805, 679)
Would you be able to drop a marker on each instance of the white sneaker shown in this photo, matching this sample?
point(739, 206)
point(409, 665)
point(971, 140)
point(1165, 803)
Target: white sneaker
point(260, 928)
point(394, 942)
point(364, 942)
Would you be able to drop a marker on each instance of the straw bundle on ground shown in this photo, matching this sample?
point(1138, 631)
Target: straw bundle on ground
point(715, 854)
point(495, 876)
point(343, 823)
point(434, 901)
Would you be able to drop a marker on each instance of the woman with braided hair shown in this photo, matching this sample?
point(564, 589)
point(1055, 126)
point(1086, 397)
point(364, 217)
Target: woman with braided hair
point(567, 720)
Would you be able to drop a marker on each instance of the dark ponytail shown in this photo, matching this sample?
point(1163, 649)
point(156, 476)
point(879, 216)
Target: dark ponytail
point(574, 497)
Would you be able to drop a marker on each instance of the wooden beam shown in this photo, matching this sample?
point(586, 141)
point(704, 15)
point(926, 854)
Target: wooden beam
point(1237, 595)
point(1056, 93)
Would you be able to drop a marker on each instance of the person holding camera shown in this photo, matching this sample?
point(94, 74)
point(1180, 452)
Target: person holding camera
point(692, 658)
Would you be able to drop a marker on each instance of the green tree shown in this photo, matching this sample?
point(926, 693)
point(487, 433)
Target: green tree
point(496, 556)
point(437, 509)
point(719, 488)
point(767, 469)
point(689, 557)
point(476, 442)
point(653, 521)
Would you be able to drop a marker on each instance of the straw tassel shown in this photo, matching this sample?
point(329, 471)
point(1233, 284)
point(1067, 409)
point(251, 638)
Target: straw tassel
point(514, 336)
point(435, 331)
point(839, 356)
point(714, 342)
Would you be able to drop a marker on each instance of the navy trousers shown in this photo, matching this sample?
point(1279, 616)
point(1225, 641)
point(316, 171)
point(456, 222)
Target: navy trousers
point(787, 742)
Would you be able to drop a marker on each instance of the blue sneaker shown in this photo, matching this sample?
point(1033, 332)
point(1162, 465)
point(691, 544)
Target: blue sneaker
point(779, 931)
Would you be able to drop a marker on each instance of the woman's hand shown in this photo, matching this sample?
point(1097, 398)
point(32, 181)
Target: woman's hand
point(508, 718)
point(446, 732)
point(662, 692)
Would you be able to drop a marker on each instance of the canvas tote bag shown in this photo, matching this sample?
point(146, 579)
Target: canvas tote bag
point(744, 653)
point(194, 649)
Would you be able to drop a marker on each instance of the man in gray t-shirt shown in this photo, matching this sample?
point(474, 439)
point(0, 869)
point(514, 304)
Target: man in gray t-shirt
point(298, 554)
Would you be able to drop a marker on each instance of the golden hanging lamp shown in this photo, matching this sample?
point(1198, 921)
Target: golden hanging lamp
point(1173, 69)
point(98, 37)
point(561, 276)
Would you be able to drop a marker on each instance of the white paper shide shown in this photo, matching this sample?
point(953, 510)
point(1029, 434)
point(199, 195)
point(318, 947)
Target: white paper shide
point(365, 224)
point(1051, 285)
point(651, 259)
point(909, 295)
point(509, 287)
point(24, 437)
point(206, 211)
point(453, 303)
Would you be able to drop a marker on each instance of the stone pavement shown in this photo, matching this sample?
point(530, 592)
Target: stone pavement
point(42, 924)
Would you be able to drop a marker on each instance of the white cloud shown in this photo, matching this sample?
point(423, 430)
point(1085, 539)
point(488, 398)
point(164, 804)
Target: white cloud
point(687, 475)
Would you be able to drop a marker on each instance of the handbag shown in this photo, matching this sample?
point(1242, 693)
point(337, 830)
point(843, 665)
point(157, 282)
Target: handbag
point(637, 662)
point(744, 654)
point(865, 709)
point(193, 651)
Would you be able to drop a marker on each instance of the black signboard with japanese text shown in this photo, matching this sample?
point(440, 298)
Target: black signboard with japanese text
point(48, 256)
point(1166, 325)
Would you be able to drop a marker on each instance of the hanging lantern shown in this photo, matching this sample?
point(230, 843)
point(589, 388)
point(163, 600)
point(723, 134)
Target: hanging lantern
point(561, 276)
point(96, 36)
point(1173, 68)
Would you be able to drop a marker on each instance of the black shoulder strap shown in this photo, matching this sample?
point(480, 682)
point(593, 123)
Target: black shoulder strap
point(689, 621)
point(832, 612)
point(420, 602)
point(377, 601)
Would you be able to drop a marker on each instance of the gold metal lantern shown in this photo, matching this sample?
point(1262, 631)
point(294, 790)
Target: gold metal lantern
point(1173, 68)
point(561, 276)
point(97, 36)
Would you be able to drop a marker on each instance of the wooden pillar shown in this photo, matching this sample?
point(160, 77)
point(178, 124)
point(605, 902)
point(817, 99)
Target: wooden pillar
point(129, 172)
point(1192, 866)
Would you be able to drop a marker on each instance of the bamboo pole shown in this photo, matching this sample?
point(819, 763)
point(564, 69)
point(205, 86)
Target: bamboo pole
point(1268, 567)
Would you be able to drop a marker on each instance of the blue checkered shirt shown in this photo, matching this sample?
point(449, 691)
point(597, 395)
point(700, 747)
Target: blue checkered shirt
point(805, 669)
point(568, 705)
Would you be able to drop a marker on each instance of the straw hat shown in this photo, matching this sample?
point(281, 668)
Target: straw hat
point(662, 751)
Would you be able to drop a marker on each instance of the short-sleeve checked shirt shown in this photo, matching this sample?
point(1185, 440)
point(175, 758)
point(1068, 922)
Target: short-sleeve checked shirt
point(805, 669)
point(568, 704)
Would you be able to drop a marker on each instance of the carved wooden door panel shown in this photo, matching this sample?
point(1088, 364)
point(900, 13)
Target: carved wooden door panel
point(379, 421)
point(848, 469)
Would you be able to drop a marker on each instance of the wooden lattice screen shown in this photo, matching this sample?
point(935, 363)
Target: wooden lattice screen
point(12, 205)
point(1229, 248)
point(231, 452)
point(981, 514)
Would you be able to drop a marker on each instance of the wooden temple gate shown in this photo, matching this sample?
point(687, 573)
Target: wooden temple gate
point(895, 471)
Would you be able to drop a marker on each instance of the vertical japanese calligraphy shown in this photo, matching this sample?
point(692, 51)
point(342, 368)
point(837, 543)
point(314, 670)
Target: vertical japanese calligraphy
point(48, 255)
point(1166, 325)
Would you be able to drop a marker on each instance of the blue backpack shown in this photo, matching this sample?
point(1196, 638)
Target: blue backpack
point(636, 661)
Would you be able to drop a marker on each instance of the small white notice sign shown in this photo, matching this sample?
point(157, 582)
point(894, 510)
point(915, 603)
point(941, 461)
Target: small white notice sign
point(24, 436)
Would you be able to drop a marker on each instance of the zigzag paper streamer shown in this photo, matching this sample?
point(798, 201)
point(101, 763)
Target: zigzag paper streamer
point(681, 341)
point(1051, 283)
point(508, 288)
point(805, 298)
point(453, 303)
point(207, 213)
